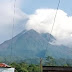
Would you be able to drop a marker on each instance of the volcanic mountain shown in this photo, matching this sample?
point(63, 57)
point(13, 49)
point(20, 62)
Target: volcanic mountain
point(31, 44)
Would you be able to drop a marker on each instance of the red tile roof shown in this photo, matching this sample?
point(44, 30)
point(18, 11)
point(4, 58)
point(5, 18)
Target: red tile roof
point(4, 65)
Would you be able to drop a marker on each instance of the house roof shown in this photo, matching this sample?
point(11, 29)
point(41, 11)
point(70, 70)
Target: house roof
point(3, 65)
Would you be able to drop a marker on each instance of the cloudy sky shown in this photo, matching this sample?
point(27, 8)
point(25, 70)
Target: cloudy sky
point(38, 15)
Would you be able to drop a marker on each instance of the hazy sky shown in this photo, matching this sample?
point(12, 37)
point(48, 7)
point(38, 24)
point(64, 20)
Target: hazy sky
point(38, 15)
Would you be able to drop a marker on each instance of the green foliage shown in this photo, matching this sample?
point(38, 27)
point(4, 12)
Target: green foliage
point(34, 68)
point(50, 61)
point(23, 67)
point(65, 65)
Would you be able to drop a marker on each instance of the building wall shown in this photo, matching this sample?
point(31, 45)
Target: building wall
point(6, 69)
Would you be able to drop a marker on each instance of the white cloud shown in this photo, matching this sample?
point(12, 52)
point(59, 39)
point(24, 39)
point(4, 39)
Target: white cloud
point(42, 21)
point(6, 19)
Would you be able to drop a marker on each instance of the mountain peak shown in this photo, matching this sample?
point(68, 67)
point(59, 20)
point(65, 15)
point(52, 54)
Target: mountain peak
point(30, 44)
point(48, 37)
point(31, 30)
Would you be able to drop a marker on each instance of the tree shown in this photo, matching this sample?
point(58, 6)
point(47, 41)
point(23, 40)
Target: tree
point(50, 61)
point(23, 67)
point(34, 68)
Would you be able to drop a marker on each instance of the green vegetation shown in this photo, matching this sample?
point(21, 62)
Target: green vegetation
point(23, 67)
point(33, 65)
point(49, 61)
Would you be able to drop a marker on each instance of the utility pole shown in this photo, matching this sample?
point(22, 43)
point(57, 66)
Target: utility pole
point(41, 65)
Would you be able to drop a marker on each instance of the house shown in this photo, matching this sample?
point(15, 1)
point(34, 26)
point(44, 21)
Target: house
point(6, 68)
point(56, 69)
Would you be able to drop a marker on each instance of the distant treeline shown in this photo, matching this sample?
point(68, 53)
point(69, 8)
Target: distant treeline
point(33, 65)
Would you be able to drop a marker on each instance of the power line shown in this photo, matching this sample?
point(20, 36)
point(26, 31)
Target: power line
point(13, 27)
point(53, 23)
point(55, 16)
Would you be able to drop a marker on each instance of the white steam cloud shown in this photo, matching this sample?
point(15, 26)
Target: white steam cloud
point(42, 21)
